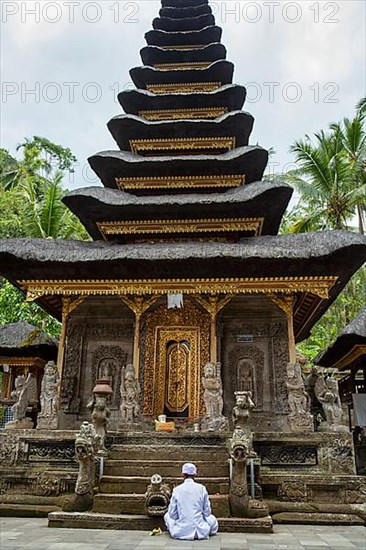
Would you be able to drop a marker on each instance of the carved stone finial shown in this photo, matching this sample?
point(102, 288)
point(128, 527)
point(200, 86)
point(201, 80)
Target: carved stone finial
point(157, 496)
point(299, 417)
point(48, 417)
point(211, 382)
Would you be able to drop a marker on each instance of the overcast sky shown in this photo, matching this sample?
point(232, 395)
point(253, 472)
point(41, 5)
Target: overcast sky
point(64, 62)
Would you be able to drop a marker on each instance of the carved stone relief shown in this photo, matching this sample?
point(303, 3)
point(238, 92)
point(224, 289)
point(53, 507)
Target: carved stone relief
point(246, 370)
point(70, 401)
point(108, 362)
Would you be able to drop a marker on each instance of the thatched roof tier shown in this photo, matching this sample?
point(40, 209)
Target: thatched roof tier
point(155, 55)
point(249, 162)
point(220, 72)
point(129, 130)
point(207, 35)
point(326, 254)
point(261, 199)
point(174, 12)
point(230, 96)
point(184, 24)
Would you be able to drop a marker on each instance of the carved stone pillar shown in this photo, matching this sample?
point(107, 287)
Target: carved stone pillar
point(286, 303)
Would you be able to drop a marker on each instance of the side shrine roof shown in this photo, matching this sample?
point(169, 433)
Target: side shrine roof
point(354, 334)
point(24, 339)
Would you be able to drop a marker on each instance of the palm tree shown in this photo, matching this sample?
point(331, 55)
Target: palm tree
point(331, 177)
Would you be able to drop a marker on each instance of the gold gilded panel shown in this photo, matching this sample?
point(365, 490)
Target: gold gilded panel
point(319, 286)
point(183, 88)
point(183, 114)
point(188, 324)
point(183, 66)
point(151, 145)
point(181, 226)
point(180, 182)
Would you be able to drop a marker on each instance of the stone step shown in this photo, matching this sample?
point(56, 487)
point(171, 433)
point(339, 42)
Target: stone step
point(138, 484)
point(169, 452)
point(90, 520)
point(135, 504)
point(166, 468)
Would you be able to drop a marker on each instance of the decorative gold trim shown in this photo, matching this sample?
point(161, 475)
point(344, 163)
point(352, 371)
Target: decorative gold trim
point(183, 66)
point(180, 182)
point(23, 361)
point(183, 88)
point(351, 356)
point(182, 47)
point(183, 114)
point(318, 286)
point(142, 145)
point(181, 226)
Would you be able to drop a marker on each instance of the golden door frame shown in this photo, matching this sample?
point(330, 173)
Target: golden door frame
point(163, 325)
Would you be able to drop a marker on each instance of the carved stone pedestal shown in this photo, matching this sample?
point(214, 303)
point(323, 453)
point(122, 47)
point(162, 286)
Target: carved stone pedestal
point(47, 422)
point(23, 424)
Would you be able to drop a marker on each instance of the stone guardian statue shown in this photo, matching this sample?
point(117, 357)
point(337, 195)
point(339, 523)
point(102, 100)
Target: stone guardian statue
point(299, 417)
point(48, 417)
point(86, 446)
point(25, 393)
point(212, 395)
point(326, 391)
point(130, 393)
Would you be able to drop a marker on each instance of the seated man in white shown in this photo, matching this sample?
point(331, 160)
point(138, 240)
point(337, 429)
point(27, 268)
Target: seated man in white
point(189, 514)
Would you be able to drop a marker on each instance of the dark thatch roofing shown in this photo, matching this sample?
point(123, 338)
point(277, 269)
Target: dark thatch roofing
point(24, 339)
point(327, 253)
point(207, 35)
point(259, 199)
point(352, 335)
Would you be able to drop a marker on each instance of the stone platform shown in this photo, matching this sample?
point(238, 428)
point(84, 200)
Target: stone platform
point(306, 478)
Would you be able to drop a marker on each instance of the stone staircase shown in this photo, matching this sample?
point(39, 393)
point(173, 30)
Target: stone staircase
point(129, 467)
point(132, 460)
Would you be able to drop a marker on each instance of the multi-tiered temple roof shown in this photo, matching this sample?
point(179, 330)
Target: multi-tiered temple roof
point(184, 207)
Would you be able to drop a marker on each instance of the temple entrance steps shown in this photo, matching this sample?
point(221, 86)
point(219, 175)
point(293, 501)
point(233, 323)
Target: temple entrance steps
point(134, 458)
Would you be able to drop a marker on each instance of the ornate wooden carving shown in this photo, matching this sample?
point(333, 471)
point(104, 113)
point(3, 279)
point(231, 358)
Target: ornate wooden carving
point(162, 326)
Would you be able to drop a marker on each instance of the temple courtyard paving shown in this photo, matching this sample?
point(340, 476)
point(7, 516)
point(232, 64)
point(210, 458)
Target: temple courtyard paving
point(22, 533)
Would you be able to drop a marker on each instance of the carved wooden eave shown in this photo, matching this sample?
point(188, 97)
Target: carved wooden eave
point(231, 97)
point(207, 35)
point(219, 71)
point(206, 53)
point(14, 361)
point(349, 348)
point(120, 166)
point(225, 132)
point(194, 228)
point(265, 200)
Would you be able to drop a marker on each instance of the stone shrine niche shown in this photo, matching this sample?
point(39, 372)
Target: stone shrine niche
point(108, 362)
point(247, 364)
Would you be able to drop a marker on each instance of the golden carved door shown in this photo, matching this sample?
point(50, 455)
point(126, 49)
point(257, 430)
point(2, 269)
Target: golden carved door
point(176, 347)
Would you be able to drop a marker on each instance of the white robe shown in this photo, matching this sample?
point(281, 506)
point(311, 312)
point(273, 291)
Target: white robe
point(189, 514)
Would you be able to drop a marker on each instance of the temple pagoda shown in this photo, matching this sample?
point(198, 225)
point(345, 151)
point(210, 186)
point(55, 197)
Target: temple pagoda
point(183, 211)
point(185, 219)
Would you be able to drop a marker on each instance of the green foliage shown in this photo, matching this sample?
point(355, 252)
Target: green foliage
point(330, 178)
point(31, 192)
point(30, 206)
point(346, 307)
point(14, 308)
